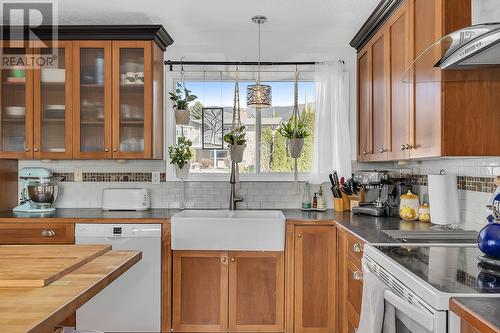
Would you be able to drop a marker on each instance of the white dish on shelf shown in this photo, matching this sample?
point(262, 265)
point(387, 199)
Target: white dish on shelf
point(55, 107)
point(56, 150)
point(53, 75)
point(15, 111)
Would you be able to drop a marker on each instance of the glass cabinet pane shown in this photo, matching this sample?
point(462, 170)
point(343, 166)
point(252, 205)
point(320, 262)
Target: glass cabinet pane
point(53, 104)
point(92, 129)
point(13, 104)
point(131, 100)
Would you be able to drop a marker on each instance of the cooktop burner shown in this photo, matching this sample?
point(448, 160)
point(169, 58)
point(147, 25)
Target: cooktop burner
point(448, 269)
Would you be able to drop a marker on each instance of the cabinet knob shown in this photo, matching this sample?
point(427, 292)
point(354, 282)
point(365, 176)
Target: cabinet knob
point(48, 233)
point(299, 235)
point(115, 149)
point(223, 259)
point(233, 259)
point(382, 150)
point(106, 150)
point(364, 152)
point(403, 147)
point(35, 149)
point(408, 147)
point(357, 276)
point(27, 149)
point(356, 248)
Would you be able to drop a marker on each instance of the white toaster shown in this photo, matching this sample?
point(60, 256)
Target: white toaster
point(126, 199)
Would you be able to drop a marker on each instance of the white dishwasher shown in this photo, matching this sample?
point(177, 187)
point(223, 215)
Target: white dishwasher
point(131, 303)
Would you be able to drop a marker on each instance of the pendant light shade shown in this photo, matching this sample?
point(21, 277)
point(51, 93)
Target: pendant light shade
point(259, 95)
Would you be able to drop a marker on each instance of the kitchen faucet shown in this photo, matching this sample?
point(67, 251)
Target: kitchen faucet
point(233, 199)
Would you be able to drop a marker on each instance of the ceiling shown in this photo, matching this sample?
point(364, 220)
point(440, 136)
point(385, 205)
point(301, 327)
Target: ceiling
point(297, 30)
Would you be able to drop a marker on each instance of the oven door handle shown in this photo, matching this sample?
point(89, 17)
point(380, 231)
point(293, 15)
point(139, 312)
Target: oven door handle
point(424, 319)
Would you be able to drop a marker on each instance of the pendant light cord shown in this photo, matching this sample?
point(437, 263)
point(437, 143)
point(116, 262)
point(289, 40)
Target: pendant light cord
point(258, 73)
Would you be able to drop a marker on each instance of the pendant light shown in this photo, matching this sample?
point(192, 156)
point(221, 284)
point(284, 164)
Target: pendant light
point(259, 95)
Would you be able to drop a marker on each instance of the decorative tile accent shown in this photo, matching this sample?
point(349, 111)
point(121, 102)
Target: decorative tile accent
point(475, 184)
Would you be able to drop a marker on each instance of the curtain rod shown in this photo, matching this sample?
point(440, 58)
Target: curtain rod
point(171, 63)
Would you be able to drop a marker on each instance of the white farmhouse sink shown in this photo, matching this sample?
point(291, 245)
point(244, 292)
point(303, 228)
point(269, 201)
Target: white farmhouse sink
point(238, 230)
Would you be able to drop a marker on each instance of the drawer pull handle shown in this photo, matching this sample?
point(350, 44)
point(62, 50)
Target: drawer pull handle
point(357, 276)
point(48, 233)
point(356, 247)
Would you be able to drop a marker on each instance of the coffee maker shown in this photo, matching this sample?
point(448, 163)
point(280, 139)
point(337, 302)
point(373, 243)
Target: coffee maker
point(382, 193)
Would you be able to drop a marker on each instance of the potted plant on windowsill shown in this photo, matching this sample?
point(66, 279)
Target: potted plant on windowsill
point(237, 143)
point(181, 99)
point(180, 157)
point(294, 130)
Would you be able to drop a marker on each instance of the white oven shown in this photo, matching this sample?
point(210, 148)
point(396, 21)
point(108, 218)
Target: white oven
point(413, 315)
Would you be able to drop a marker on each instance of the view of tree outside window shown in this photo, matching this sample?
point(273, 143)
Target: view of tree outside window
point(273, 151)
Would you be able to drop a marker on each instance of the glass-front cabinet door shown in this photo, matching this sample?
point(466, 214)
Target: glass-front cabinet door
point(52, 102)
point(16, 101)
point(92, 96)
point(132, 101)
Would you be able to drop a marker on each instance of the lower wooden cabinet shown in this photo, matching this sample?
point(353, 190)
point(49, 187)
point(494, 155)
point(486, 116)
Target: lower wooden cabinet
point(37, 233)
point(221, 291)
point(256, 291)
point(315, 278)
point(350, 282)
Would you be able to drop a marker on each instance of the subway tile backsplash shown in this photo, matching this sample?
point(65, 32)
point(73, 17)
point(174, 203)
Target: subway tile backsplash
point(475, 184)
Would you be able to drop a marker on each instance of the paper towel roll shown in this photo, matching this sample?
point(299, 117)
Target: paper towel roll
point(443, 199)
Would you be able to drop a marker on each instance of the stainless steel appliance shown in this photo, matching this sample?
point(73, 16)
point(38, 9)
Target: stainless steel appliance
point(39, 190)
point(381, 193)
point(468, 48)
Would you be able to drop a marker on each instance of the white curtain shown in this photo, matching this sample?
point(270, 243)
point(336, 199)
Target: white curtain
point(332, 141)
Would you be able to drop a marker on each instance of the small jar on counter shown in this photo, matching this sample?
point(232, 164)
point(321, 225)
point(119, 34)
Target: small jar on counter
point(424, 213)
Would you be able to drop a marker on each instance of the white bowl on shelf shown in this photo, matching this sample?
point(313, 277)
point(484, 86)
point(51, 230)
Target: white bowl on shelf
point(15, 111)
point(53, 75)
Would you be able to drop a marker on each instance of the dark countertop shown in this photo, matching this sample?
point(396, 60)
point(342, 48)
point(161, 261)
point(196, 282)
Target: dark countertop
point(478, 311)
point(367, 228)
point(89, 214)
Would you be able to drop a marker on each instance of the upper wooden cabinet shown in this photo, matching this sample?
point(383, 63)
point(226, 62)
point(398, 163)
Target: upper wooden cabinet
point(103, 100)
point(431, 116)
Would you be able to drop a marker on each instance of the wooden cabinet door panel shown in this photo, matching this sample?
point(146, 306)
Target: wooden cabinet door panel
point(36, 233)
point(400, 92)
point(380, 68)
point(315, 279)
point(132, 99)
point(92, 99)
point(200, 299)
point(256, 291)
point(427, 105)
point(364, 105)
point(16, 106)
point(53, 104)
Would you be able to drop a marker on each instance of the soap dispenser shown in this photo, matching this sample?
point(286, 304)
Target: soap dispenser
point(321, 200)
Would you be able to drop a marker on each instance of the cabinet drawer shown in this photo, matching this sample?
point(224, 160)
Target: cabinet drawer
point(37, 233)
point(354, 286)
point(354, 248)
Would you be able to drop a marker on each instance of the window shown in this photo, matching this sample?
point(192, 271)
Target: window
point(266, 155)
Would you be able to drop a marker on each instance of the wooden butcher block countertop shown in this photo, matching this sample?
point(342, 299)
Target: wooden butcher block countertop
point(38, 300)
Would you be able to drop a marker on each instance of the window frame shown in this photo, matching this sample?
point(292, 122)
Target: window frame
point(170, 139)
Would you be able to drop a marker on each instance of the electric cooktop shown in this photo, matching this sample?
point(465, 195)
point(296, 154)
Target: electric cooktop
point(447, 268)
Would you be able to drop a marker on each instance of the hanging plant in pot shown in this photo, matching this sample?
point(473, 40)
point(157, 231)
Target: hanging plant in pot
point(180, 157)
point(294, 130)
point(181, 99)
point(237, 143)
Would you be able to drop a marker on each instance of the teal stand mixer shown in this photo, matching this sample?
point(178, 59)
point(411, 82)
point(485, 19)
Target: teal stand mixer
point(39, 190)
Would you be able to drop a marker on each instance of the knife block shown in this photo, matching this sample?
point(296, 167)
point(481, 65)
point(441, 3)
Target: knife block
point(341, 204)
